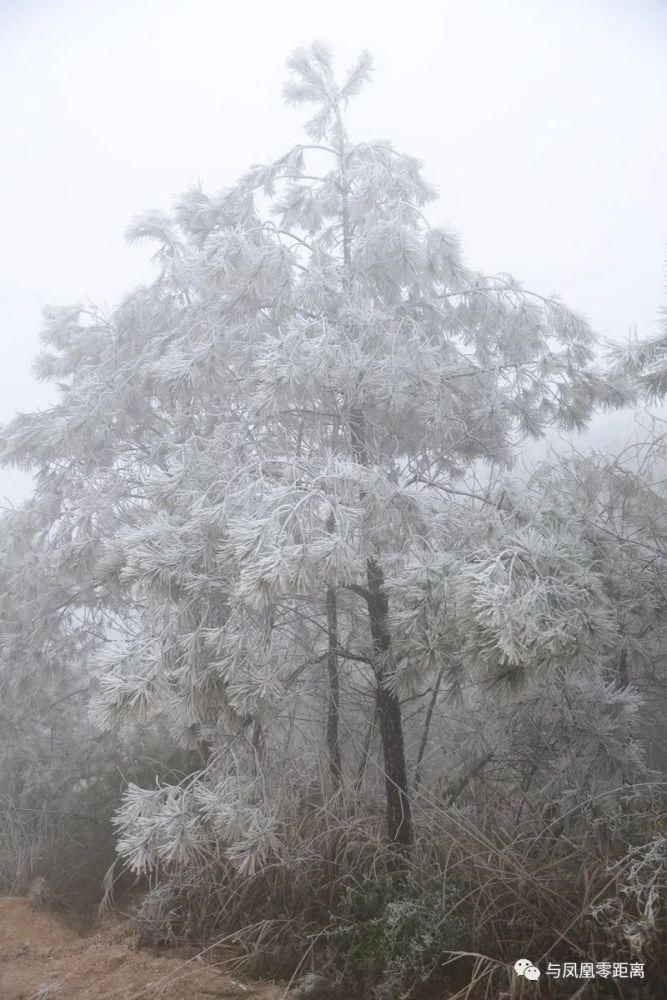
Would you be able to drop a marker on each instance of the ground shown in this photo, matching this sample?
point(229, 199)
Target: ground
point(41, 958)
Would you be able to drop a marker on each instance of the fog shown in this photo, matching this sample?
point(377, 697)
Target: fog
point(291, 679)
point(542, 124)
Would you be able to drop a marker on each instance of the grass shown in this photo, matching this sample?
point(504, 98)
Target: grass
point(475, 894)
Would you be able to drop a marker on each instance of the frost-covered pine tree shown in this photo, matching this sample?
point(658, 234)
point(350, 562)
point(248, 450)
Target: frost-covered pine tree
point(567, 613)
point(47, 756)
point(615, 507)
point(43, 651)
point(645, 361)
point(257, 452)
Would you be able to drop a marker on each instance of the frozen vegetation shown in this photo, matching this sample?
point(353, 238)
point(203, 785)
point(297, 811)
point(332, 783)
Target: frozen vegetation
point(282, 633)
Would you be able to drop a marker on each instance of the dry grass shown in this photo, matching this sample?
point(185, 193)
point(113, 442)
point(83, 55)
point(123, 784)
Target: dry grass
point(560, 887)
point(578, 883)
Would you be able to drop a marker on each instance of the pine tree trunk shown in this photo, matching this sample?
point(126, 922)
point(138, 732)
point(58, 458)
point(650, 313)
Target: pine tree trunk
point(333, 711)
point(399, 818)
point(427, 727)
point(365, 753)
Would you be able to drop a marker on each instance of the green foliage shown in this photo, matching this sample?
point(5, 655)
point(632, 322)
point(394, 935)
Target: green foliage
point(398, 933)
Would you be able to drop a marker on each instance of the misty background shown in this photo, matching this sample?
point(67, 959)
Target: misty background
point(543, 125)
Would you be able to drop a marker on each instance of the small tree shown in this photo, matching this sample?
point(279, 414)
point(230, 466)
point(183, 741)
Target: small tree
point(258, 449)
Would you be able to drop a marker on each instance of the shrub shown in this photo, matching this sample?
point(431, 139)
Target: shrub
point(396, 934)
point(161, 916)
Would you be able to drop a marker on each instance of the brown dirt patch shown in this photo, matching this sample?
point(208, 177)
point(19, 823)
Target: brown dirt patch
point(21, 923)
point(42, 958)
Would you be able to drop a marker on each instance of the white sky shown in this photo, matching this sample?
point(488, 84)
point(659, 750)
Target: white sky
point(543, 123)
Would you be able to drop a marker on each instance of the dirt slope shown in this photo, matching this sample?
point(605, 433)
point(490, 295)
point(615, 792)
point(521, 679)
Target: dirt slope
point(43, 959)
